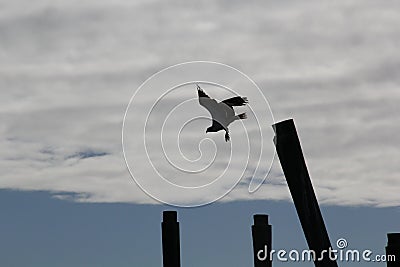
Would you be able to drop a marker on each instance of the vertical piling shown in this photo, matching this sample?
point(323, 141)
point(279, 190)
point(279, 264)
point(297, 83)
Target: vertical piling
point(170, 239)
point(262, 241)
point(393, 250)
point(294, 167)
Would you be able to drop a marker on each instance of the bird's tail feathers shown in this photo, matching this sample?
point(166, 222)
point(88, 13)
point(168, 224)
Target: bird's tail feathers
point(242, 116)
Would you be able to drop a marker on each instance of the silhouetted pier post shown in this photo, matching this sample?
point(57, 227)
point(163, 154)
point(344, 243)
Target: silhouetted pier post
point(170, 239)
point(294, 167)
point(393, 250)
point(262, 241)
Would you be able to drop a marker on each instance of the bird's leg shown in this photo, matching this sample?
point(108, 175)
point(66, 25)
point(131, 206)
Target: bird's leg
point(227, 138)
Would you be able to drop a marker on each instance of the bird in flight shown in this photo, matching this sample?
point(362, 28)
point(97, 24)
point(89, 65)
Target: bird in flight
point(222, 113)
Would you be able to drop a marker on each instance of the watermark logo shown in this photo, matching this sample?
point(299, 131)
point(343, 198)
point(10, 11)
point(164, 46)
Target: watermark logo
point(340, 254)
point(341, 243)
point(167, 149)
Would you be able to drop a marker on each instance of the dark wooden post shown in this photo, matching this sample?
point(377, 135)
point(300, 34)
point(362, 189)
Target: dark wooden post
point(170, 239)
point(262, 241)
point(294, 167)
point(393, 250)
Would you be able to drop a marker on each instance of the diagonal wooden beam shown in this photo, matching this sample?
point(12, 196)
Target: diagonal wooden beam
point(294, 167)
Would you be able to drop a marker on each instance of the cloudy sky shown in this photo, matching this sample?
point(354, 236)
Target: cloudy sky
point(68, 70)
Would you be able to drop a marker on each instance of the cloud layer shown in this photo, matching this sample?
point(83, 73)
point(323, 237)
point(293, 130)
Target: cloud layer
point(68, 70)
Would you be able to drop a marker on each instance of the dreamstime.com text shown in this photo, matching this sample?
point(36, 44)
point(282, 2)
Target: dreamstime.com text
point(340, 254)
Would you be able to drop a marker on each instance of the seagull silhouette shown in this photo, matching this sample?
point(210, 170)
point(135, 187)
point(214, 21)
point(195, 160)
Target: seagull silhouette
point(222, 113)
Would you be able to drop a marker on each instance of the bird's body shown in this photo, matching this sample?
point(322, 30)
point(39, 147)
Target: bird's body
point(222, 113)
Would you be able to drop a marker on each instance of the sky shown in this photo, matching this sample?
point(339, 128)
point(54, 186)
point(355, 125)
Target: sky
point(69, 69)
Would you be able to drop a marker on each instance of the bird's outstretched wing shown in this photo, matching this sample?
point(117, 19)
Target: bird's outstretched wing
point(236, 101)
point(207, 102)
